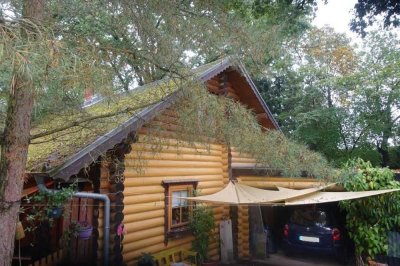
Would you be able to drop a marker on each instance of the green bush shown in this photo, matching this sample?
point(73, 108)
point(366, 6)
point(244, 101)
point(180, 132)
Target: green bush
point(370, 219)
point(202, 224)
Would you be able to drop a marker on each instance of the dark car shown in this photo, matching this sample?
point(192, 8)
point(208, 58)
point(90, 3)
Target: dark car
point(318, 231)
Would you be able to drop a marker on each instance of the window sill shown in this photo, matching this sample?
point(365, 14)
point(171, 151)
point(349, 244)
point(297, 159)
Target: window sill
point(178, 232)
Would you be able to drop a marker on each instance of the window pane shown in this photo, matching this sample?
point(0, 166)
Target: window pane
point(184, 193)
point(175, 198)
point(185, 214)
point(176, 216)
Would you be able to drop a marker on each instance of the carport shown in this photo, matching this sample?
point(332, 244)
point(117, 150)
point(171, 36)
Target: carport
point(239, 194)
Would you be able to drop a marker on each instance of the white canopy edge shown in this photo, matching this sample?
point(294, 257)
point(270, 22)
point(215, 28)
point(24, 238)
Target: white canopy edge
point(240, 194)
point(324, 197)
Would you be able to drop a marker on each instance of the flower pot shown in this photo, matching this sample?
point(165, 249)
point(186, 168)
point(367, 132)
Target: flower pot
point(85, 233)
point(54, 212)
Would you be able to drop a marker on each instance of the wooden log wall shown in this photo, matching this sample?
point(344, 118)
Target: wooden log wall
point(269, 182)
point(219, 85)
point(240, 159)
point(112, 183)
point(145, 170)
point(243, 232)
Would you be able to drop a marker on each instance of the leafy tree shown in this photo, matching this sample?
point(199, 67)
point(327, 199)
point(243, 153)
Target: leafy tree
point(370, 219)
point(366, 12)
point(307, 93)
point(376, 93)
point(340, 101)
point(55, 50)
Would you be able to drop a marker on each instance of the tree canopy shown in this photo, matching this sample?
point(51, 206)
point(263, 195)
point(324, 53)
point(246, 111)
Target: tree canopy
point(53, 52)
point(367, 11)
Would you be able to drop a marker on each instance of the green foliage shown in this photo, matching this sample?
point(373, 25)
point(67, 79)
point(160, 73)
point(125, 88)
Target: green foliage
point(370, 219)
point(202, 224)
point(328, 94)
point(209, 118)
point(73, 230)
point(367, 11)
point(45, 203)
point(146, 259)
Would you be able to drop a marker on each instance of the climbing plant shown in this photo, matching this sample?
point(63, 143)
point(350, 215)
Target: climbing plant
point(370, 219)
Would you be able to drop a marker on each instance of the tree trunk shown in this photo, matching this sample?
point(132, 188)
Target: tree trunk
point(15, 145)
point(383, 150)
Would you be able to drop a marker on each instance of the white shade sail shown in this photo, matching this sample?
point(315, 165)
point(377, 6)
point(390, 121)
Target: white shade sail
point(239, 194)
point(324, 197)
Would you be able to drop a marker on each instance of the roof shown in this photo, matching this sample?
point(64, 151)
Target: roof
point(68, 151)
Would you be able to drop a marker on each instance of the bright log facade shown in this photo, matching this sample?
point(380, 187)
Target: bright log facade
point(159, 156)
point(145, 171)
point(134, 162)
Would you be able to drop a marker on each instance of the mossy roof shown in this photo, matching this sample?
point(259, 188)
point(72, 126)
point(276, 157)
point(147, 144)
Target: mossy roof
point(81, 144)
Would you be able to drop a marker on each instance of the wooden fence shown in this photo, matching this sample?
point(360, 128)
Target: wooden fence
point(75, 250)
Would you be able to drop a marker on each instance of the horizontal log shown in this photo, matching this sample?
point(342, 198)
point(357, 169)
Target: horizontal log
point(143, 243)
point(158, 132)
point(218, 210)
point(143, 216)
point(244, 228)
point(213, 88)
point(213, 245)
point(144, 224)
point(244, 165)
point(143, 139)
point(232, 96)
point(157, 125)
point(150, 181)
point(174, 149)
point(144, 190)
point(164, 171)
point(143, 207)
point(171, 134)
point(175, 164)
point(208, 191)
point(231, 90)
point(149, 198)
point(213, 252)
point(214, 82)
point(243, 160)
point(215, 257)
point(143, 234)
point(211, 184)
point(170, 112)
point(238, 154)
point(172, 156)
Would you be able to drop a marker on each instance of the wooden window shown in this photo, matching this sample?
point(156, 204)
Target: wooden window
point(177, 210)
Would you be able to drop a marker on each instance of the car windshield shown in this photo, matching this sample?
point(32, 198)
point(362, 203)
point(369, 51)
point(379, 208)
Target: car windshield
point(308, 218)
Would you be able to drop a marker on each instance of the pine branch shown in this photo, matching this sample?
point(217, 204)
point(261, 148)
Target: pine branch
point(88, 119)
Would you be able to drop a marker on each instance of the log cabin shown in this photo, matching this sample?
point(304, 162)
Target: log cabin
point(141, 201)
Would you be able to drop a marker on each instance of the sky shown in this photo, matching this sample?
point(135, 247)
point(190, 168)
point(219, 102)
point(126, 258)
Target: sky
point(337, 14)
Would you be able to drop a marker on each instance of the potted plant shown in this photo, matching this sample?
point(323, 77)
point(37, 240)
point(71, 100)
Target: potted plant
point(53, 201)
point(202, 225)
point(146, 259)
point(83, 230)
